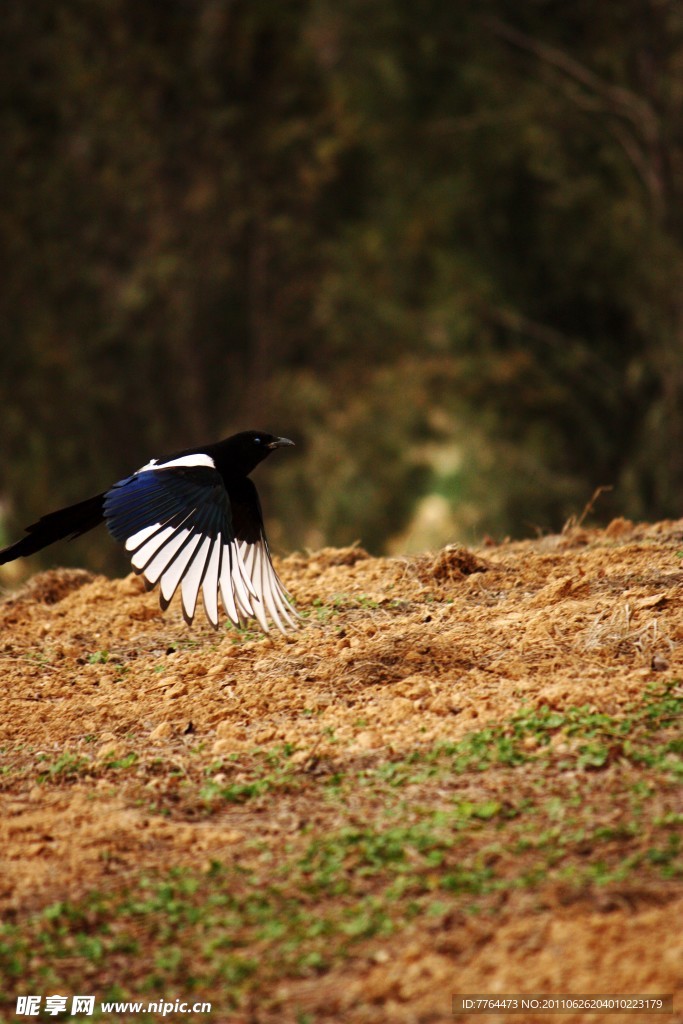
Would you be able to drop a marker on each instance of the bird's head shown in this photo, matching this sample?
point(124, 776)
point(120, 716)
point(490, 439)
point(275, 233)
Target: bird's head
point(250, 447)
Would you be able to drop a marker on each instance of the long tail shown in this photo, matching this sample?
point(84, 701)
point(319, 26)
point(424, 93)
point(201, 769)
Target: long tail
point(65, 522)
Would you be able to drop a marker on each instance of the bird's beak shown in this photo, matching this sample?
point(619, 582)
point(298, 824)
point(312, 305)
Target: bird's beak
point(280, 442)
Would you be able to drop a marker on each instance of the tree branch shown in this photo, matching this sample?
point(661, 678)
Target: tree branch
point(638, 138)
point(621, 101)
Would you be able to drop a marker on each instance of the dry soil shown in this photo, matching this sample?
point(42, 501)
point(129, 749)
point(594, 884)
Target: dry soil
point(114, 716)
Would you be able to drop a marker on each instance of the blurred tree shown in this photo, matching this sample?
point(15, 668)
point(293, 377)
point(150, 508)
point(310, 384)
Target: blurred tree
point(527, 227)
point(162, 165)
point(373, 227)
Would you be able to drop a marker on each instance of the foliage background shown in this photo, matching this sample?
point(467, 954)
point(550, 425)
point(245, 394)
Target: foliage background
point(438, 244)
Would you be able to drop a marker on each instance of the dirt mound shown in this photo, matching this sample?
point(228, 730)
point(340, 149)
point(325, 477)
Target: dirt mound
point(463, 774)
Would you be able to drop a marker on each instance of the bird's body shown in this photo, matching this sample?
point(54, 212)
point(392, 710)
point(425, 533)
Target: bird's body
point(191, 520)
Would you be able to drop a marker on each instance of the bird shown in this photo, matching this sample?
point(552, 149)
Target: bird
point(193, 521)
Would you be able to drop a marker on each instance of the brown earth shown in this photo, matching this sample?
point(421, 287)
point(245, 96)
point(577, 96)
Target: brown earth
point(397, 655)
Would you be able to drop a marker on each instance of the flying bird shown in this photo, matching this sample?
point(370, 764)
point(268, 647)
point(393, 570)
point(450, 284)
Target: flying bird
point(191, 520)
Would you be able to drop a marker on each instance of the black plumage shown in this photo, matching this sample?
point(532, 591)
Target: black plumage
point(192, 521)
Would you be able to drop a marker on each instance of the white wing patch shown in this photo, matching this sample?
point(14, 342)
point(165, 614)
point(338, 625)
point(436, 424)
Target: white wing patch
point(142, 535)
point(193, 577)
point(241, 573)
point(171, 576)
point(210, 584)
point(146, 551)
point(161, 561)
point(197, 459)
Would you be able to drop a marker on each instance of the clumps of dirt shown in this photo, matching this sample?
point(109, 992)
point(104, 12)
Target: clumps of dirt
point(619, 527)
point(327, 557)
point(453, 563)
point(51, 587)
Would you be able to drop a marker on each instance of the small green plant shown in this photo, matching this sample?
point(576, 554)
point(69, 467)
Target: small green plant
point(66, 766)
point(98, 658)
point(122, 762)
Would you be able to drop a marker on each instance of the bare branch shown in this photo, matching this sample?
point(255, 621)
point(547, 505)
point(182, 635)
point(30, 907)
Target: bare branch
point(642, 166)
point(621, 101)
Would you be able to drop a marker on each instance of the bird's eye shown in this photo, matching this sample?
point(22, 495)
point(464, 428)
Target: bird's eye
point(257, 440)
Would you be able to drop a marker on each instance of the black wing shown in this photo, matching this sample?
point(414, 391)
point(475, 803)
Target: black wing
point(177, 520)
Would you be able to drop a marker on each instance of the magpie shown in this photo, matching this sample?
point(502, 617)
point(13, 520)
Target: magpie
point(191, 520)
